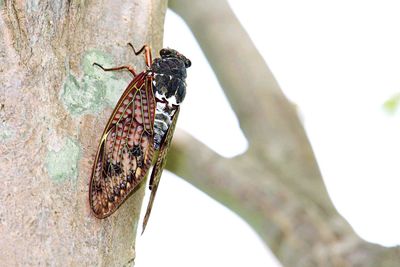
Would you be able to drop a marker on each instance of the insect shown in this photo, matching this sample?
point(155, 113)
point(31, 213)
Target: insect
point(141, 124)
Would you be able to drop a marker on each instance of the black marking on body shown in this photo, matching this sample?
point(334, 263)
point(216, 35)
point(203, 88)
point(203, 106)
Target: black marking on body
point(169, 77)
point(169, 88)
point(117, 168)
point(113, 168)
point(117, 191)
point(106, 167)
point(136, 151)
point(129, 178)
point(140, 162)
point(162, 122)
point(122, 185)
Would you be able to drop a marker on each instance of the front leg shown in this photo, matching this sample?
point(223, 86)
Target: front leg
point(129, 68)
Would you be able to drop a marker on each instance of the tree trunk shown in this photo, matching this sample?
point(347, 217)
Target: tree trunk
point(276, 185)
point(53, 107)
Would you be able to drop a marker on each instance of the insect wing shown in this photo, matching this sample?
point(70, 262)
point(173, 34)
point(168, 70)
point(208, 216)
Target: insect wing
point(159, 167)
point(126, 149)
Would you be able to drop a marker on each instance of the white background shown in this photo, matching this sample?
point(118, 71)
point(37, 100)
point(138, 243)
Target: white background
point(338, 61)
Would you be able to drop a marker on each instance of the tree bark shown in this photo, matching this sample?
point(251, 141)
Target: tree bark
point(53, 107)
point(276, 185)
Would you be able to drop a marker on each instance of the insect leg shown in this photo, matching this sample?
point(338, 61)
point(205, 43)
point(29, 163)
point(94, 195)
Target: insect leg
point(129, 68)
point(147, 53)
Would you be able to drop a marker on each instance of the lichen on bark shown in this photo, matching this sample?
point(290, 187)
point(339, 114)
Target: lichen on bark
point(96, 88)
point(62, 160)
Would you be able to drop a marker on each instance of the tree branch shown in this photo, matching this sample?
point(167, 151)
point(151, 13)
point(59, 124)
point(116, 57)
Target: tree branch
point(268, 120)
point(291, 225)
point(276, 185)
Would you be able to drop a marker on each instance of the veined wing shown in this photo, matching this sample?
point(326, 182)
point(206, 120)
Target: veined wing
point(126, 149)
point(158, 168)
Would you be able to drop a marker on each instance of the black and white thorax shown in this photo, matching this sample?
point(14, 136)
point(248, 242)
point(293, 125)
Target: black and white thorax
point(169, 88)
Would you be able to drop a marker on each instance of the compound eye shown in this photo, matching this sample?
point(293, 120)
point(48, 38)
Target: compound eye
point(188, 63)
point(165, 52)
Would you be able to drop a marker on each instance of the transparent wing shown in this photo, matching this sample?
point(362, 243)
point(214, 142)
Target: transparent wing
point(125, 151)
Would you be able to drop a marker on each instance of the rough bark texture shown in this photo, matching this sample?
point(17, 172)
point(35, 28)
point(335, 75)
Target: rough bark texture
point(276, 185)
point(53, 107)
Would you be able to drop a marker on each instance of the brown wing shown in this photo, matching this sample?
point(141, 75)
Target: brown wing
point(159, 167)
point(125, 151)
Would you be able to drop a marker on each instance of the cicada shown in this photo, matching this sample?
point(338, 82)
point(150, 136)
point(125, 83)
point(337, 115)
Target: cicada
point(139, 129)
